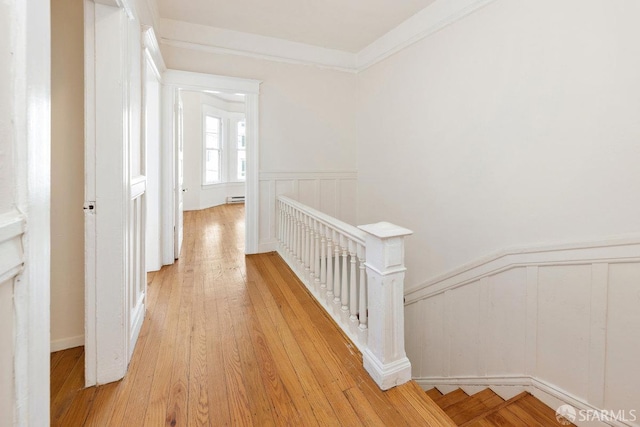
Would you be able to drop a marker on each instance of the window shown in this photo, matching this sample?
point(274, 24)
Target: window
point(213, 150)
point(242, 151)
point(224, 146)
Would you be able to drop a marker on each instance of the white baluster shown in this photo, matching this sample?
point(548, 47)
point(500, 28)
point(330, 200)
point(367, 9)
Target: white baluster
point(362, 310)
point(280, 223)
point(323, 262)
point(312, 253)
point(329, 233)
point(344, 287)
point(316, 259)
point(299, 238)
point(289, 236)
point(336, 272)
point(353, 286)
point(307, 248)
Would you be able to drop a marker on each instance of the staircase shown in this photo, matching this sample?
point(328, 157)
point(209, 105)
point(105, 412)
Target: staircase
point(486, 408)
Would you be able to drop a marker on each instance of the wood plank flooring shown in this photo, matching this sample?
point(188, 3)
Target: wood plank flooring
point(234, 340)
point(486, 409)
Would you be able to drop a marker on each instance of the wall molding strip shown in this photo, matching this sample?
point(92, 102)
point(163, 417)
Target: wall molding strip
point(606, 251)
point(270, 175)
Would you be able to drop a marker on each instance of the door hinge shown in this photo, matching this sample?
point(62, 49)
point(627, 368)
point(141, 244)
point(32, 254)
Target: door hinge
point(89, 206)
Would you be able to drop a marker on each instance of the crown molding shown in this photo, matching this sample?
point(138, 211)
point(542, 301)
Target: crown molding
point(152, 48)
point(217, 40)
point(200, 81)
point(428, 21)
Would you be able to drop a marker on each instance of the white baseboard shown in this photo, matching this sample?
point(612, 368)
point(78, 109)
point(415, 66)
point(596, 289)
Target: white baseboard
point(268, 246)
point(65, 343)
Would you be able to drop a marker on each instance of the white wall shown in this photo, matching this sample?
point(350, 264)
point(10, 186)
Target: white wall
point(67, 175)
point(517, 125)
point(306, 113)
point(513, 128)
point(196, 196)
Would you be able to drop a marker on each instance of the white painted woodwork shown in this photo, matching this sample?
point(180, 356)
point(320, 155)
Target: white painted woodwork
point(7, 392)
point(116, 186)
point(357, 276)
point(167, 192)
point(333, 193)
point(385, 358)
point(556, 321)
point(25, 105)
point(152, 92)
point(331, 24)
point(178, 186)
point(220, 39)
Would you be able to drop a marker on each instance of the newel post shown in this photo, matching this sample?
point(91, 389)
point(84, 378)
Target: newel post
point(385, 358)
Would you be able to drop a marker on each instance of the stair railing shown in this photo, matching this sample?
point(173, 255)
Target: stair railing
point(357, 275)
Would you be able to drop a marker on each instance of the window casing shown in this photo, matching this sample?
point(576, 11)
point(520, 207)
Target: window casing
point(213, 151)
point(224, 146)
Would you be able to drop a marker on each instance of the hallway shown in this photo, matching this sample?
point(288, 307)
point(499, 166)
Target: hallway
point(233, 340)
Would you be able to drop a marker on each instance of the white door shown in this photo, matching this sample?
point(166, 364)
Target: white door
point(115, 186)
point(179, 220)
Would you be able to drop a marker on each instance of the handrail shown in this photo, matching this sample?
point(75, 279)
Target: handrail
point(352, 231)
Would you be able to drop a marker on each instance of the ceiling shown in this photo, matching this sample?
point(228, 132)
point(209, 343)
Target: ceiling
point(347, 25)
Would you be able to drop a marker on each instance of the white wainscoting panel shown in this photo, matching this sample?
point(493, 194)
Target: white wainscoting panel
point(7, 337)
point(333, 193)
point(622, 375)
point(560, 322)
point(12, 227)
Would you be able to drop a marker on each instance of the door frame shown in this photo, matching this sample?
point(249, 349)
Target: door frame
point(174, 81)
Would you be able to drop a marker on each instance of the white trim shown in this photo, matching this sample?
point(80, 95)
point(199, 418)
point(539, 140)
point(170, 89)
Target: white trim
point(441, 13)
point(268, 246)
point(421, 25)
point(275, 175)
point(31, 140)
point(65, 343)
point(614, 251)
point(90, 327)
point(152, 50)
point(138, 186)
point(200, 82)
point(252, 189)
point(217, 40)
point(167, 180)
point(12, 228)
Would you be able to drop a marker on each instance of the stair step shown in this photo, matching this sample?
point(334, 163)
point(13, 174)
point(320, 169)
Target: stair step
point(434, 393)
point(487, 409)
point(451, 398)
point(539, 410)
point(476, 421)
point(473, 406)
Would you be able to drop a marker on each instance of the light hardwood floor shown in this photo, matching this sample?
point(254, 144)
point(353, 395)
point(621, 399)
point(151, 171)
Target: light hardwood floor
point(234, 340)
